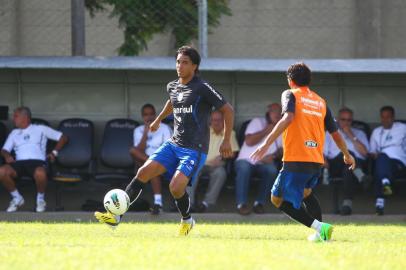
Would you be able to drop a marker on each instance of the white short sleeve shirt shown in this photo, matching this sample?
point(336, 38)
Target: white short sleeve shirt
point(331, 150)
point(390, 141)
point(154, 139)
point(255, 125)
point(30, 143)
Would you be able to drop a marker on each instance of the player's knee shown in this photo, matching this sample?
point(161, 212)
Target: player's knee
point(221, 173)
point(2, 172)
point(307, 192)
point(142, 174)
point(132, 152)
point(40, 174)
point(175, 189)
point(5, 172)
point(276, 201)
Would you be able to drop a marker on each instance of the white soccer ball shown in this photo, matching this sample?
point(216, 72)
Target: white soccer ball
point(116, 201)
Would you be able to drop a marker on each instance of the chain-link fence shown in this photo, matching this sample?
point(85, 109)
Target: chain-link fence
point(239, 28)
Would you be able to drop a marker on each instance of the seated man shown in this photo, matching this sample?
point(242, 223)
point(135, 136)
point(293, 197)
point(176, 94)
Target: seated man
point(388, 147)
point(28, 141)
point(145, 143)
point(255, 133)
point(357, 143)
point(214, 165)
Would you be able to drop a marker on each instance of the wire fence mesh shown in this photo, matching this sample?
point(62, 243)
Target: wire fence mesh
point(250, 28)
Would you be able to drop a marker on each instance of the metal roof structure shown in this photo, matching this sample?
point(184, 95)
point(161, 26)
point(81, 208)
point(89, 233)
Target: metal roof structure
point(208, 64)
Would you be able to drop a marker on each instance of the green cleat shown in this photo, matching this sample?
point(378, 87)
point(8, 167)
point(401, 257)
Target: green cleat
point(326, 232)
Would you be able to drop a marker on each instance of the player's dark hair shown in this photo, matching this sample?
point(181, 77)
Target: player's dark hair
point(148, 105)
point(300, 74)
point(345, 109)
point(192, 53)
point(389, 109)
point(23, 110)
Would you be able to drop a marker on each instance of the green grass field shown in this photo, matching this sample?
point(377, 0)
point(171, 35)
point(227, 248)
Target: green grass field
point(210, 246)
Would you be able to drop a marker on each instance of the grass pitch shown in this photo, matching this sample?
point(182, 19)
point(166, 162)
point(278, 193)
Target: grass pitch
point(210, 246)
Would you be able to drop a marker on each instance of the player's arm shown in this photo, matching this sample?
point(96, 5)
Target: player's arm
point(331, 127)
point(61, 142)
point(288, 113)
point(59, 145)
point(357, 141)
point(57, 136)
point(279, 128)
point(140, 144)
point(374, 144)
point(348, 158)
point(254, 138)
point(361, 148)
point(7, 156)
point(7, 148)
point(166, 111)
point(228, 114)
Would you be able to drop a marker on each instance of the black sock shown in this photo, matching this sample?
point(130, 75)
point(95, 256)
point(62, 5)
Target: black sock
point(183, 204)
point(134, 189)
point(300, 215)
point(312, 206)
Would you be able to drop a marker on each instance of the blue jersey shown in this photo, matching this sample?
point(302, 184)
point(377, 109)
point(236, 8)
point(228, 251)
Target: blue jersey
point(192, 104)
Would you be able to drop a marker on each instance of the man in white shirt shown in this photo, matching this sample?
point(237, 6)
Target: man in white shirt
point(388, 147)
point(256, 131)
point(145, 144)
point(357, 143)
point(28, 141)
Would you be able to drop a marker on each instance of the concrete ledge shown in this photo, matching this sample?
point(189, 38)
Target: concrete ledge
point(372, 65)
point(174, 217)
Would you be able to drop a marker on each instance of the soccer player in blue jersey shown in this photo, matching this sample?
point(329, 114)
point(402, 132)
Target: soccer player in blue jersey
point(180, 159)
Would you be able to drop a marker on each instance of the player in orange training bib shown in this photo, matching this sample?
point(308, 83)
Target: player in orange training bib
point(305, 118)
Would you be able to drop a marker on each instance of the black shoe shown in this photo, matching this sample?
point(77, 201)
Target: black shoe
point(201, 208)
point(379, 210)
point(155, 209)
point(244, 210)
point(258, 209)
point(345, 210)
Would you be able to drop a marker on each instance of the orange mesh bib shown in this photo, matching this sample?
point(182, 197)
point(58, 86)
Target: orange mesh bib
point(303, 140)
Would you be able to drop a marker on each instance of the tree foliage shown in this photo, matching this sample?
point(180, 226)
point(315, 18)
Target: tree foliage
point(142, 19)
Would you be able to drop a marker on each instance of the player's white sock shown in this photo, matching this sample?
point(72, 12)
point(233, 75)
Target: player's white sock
point(347, 202)
point(189, 220)
point(316, 225)
point(15, 194)
point(158, 199)
point(380, 202)
point(40, 196)
point(385, 181)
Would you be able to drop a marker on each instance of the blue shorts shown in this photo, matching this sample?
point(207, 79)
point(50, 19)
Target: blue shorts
point(175, 158)
point(290, 186)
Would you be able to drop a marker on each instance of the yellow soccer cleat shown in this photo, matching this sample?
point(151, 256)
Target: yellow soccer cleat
point(107, 218)
point(186, 226)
